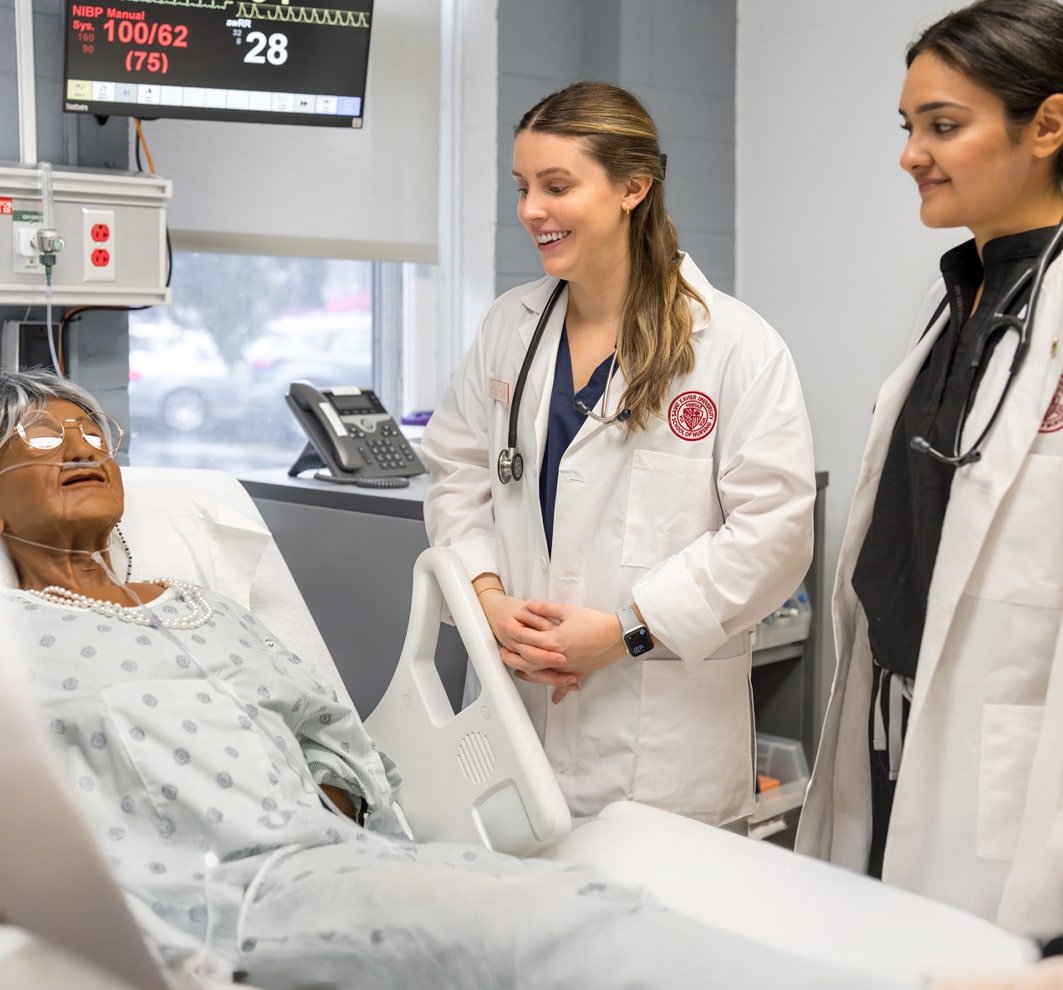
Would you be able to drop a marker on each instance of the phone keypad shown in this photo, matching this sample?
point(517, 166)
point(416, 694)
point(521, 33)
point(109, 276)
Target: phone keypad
point(388, 454)
point(382, 444)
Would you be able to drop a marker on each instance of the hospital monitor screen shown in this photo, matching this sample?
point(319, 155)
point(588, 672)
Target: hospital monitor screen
point(287, 62)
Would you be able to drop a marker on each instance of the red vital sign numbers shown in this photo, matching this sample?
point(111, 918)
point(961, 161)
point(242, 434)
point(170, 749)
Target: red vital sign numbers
point(142, 33)
point(130, 29)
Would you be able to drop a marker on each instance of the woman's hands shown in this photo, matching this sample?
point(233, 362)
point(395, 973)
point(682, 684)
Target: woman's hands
point(549, 643)
point(525, 638)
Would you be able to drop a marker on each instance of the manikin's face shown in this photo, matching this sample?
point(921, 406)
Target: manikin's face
point(65, 497)
point(972, 169)
point(571, 208)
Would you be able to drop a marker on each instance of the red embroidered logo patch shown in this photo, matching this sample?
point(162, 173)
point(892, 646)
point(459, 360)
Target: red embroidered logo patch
point(1053, 421)
point(692, 415)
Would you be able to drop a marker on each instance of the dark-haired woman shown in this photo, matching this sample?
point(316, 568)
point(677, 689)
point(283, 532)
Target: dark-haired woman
point(941, 762)
point(662, 499)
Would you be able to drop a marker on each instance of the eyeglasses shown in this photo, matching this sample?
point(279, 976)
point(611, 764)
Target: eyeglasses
point(1000, 325)
point(42, 431)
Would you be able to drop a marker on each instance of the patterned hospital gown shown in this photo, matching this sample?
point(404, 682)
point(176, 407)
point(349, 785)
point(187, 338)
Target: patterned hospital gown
point(195, 755)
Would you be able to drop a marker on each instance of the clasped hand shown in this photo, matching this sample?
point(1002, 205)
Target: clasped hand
point(553, 644)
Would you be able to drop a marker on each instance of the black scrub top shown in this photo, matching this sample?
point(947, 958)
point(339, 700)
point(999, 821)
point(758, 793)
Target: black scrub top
point(896, 562)
point(563, 425)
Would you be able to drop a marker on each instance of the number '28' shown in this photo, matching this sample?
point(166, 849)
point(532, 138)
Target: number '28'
point(276, 47)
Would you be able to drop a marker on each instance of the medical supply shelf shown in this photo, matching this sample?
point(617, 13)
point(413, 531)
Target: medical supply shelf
point(773, 654)
point(786, 681)
point(352, 550)
point(786, 677)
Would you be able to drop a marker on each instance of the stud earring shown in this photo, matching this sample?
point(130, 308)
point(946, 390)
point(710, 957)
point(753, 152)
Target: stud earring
point(626, 209)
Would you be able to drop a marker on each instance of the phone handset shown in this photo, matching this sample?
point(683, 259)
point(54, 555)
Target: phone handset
point(325, 428)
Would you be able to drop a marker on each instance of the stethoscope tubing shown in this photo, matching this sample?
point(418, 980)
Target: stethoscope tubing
point(510, 464)
point(1002, 319)
point(525, 368)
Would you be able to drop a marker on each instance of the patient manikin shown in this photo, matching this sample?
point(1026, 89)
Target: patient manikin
point(205, 759)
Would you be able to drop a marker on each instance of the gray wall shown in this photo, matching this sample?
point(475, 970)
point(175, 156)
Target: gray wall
point(98, 343)
point(831, 250)
point(678, 57)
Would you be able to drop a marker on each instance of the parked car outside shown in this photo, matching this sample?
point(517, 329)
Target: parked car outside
point(325, 349)
point(179, 382)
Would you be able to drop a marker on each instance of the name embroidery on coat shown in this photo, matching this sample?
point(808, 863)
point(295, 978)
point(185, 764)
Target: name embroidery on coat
point(692, 415)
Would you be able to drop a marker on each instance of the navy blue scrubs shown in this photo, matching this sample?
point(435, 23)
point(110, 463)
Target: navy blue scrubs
point(563, 425)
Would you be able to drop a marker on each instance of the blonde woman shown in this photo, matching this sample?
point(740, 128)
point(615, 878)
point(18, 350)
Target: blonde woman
point(624, 463)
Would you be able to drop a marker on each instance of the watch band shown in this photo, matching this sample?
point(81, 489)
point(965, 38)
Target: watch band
point(637, 636)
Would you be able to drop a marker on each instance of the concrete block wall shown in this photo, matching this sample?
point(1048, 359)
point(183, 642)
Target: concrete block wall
point(678, 57)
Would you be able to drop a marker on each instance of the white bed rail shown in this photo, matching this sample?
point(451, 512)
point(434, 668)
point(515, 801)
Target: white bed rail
point(479, 775)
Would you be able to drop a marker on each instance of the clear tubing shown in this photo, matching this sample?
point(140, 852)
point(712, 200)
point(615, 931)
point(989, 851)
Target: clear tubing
point(47, 203)
point(48, 321)
point(47, 224)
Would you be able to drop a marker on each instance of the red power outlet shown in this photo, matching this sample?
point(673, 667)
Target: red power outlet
point(99, 244)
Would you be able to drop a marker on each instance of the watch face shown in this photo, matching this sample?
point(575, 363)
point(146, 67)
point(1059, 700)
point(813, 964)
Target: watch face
point(638, 641)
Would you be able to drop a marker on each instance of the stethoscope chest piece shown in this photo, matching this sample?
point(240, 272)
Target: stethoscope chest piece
point(510, 466)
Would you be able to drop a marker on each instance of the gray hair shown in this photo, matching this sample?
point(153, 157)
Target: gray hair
point(24, 391)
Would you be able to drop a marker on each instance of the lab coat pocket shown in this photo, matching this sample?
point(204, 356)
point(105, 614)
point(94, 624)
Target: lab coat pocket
point(1009, 739)
point(672, 501)
point(694, 750)
point(1019, 562)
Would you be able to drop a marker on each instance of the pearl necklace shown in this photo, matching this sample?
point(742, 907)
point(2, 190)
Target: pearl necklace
point(200, 609)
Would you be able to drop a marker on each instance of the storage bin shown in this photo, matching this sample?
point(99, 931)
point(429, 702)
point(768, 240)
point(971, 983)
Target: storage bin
point(785, 760)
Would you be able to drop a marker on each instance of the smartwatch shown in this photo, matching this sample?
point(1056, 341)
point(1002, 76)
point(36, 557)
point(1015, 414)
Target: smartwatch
point(637, 637)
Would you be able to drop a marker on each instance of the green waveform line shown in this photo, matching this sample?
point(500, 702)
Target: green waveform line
point(274, 12)
point(303, 15)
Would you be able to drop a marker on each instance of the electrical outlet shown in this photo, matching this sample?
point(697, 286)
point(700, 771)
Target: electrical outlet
point(24, 255)
point(98, 244)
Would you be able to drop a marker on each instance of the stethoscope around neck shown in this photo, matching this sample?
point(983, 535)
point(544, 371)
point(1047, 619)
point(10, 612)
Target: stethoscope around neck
point(510, 462)
point(1001, 323)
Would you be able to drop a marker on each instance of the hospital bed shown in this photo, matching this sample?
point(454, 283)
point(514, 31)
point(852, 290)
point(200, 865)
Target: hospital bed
point(479, 775)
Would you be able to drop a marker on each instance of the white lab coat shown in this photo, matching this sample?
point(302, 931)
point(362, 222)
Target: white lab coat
point(708, 535)
point(977, 818)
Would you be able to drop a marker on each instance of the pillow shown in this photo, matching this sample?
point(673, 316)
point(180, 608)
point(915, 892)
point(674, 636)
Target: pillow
point(185, 533)
point(203, 526)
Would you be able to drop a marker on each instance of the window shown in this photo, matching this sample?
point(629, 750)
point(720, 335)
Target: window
point(208, 374)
